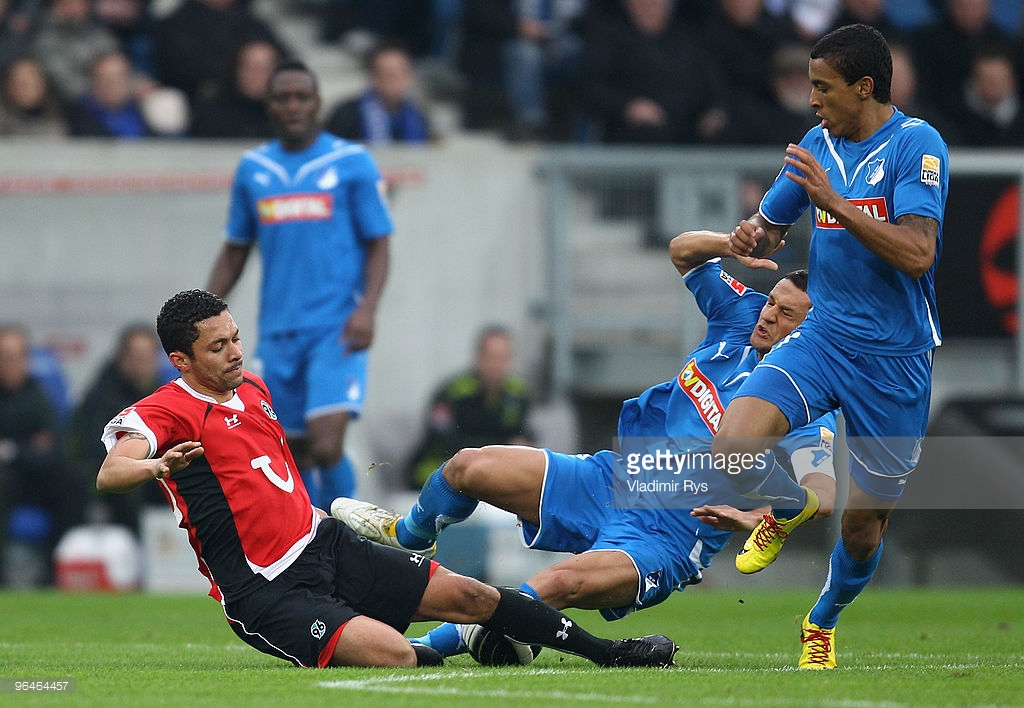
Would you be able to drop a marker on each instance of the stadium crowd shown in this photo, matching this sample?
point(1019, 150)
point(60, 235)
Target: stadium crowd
point(613, 71)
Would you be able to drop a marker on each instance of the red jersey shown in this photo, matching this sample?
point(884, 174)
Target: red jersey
point(243, 504)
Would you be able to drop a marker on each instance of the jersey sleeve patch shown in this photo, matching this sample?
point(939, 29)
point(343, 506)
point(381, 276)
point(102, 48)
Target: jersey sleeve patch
point(931, 170)
point(738, 287)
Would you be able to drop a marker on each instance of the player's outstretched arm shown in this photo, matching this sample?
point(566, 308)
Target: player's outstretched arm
point(127, 466)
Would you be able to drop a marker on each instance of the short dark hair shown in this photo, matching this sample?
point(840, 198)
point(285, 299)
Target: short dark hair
point(292, 64)
point(176, 323)
point(855, 51)
point(491, 330)
point(798, 278)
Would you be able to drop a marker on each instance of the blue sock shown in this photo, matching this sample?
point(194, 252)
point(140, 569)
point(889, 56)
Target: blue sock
point(337, 481)
point(771, 483)
point(438, 506)
point(846, 578)
point(445, 639)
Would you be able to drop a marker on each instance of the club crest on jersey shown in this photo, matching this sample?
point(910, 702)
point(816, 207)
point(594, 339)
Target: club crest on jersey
point(702, 393)
point(268, 410)
point(295, 207)
point(329, 179)
point(875, 171)
point(931, 170)
point(872, 206)
point(736, 285)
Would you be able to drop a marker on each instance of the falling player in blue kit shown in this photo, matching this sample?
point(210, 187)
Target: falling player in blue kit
point(636, 538)
point(876, 180)
point(315, 205)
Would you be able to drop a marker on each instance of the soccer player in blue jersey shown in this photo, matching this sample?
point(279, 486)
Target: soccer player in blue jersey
point(876, 180)
point(637, 538)
point(315, 205)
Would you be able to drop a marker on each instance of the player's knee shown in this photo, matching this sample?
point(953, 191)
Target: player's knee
point(559, 587)
point(464, 469)
point(862, 533)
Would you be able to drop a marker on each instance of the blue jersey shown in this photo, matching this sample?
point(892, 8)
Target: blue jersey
point(311, 213)
point(860, 300)
point(688, 409)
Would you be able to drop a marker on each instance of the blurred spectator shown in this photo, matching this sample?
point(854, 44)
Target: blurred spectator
point(196, 44)
point(387, 111)
point(237, 109)
point(944, 50)
point(69, 40)
point(360, 24)
point(486, 405)
point(906, 95)
point(132, 24)
point(110, 108)
point(18, 23)
point(487, 26)
point(874, 13)
point(28, 104)
point(540, 65)
point(990, 112)
point(646, 78)
point(787, 115)
point(133, 372)
point(747, 24)
point(811, 18)
point(39, 495)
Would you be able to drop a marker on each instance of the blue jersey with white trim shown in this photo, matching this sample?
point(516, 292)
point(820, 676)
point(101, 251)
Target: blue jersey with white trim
point(688, 409)
point(859, 299)
point(311, 213)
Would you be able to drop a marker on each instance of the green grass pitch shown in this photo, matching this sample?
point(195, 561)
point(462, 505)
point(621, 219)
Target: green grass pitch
point(897, 647)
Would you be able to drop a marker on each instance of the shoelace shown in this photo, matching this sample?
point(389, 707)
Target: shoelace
point(768, 531)
point(821, 645)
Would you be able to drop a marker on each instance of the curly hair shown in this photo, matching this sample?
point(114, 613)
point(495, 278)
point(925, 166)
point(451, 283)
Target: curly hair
point(176, 323)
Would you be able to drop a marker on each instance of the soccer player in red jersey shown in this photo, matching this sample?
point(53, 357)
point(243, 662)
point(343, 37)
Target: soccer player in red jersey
point(294, 582)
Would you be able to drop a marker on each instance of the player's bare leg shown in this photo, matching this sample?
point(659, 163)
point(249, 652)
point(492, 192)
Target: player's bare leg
point(367, 642)
point(456, 598)
point(589, 581)
point(507, 476)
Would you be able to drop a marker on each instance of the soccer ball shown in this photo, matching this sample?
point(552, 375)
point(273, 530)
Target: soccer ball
point(494, 649)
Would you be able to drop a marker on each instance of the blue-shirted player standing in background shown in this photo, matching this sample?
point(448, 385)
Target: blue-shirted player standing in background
point(877, 182)
point(316, 206)
point(634, 546)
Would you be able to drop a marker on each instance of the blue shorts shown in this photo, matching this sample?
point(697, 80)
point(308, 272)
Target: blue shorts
point(309, 374)
point(884, 399)
point(668, 547)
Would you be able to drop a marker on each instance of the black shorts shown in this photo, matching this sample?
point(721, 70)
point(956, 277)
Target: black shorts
point(340, 575)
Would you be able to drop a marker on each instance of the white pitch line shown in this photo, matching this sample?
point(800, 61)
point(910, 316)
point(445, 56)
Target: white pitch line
point(414, 684)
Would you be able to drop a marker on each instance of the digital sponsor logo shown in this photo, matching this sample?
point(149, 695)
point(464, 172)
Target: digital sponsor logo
point(874, 207)
point(736, 285)
point(931, 170)
point(295, 207)
point(702, 392)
